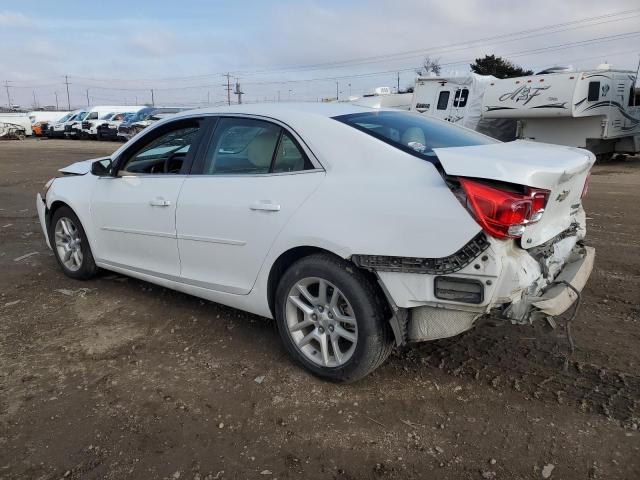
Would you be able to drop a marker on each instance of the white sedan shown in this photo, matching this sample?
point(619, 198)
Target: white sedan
point(356, 229)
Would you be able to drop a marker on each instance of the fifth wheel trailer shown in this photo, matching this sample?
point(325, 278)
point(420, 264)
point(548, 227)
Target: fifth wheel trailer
point(592, 109)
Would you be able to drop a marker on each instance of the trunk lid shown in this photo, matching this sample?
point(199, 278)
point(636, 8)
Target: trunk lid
point(561, 170)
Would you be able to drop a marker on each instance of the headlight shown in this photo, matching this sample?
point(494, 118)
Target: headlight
point(46, 188)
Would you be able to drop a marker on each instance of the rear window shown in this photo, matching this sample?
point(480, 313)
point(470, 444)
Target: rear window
point(414, 133)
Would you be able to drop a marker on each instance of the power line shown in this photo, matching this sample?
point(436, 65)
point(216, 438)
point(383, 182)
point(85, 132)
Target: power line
point(66, 81)
point(6, 85)
point(228, 88)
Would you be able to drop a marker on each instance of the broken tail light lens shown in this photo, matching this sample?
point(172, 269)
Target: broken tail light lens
point(504, 214)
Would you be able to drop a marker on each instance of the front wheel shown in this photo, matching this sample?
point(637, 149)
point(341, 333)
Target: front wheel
point(331, 318)
point(70, 245)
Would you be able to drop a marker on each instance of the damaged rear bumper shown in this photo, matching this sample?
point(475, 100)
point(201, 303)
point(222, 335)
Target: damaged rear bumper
point(517, 285)
point(559, 297)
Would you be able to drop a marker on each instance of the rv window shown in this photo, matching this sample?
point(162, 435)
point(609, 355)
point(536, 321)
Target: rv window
point(460, 98)
point(443, 100)
point(594, 92)
point(632, 96)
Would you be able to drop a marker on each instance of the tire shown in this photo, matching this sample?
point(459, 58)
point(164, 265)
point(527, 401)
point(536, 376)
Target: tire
point(86, 267)
point(359, 301)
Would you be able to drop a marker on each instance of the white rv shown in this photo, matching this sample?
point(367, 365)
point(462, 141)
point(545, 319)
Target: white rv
point(458, 99)
point(592, 109)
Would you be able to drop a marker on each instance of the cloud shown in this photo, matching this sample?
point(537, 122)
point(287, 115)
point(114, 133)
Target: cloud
point(156, 43)
point(15, 20)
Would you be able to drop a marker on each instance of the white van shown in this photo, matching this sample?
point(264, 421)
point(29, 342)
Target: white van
point(62, 127)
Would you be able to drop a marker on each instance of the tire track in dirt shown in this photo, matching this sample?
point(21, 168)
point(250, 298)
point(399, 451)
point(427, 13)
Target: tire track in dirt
point(536, 367)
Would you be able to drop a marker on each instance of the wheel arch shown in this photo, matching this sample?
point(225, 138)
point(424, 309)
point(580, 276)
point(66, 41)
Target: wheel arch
point(292, 255)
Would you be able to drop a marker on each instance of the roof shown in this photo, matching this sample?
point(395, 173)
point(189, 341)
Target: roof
point(284, 110)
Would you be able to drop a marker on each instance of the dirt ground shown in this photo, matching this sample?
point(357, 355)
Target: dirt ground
point(116, 378)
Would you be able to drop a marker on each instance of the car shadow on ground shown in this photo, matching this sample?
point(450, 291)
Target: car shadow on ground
point(533, 361)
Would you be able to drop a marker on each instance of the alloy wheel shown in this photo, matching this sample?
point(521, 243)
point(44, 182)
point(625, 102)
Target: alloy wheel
point(68, 244)
point(321, 322)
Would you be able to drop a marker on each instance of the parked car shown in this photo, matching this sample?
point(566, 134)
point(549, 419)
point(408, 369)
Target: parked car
point(108, 130)
point(97, 115)
point(40, 120)
point(62, 128)
point(143, 119)
point(354, 228)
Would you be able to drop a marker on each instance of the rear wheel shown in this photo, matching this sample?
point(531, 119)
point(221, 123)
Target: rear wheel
point(70, 246)
point(331, 318)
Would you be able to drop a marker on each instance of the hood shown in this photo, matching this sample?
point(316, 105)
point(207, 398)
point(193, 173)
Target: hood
point(80, 168)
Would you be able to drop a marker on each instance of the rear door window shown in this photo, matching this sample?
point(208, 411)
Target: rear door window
point(246, 146)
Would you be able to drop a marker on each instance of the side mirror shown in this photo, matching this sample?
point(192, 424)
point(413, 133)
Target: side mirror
point(102, 168)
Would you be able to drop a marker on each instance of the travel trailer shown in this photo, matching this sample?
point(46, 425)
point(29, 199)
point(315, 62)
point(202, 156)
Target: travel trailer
point(458, 99)
point(592, 109)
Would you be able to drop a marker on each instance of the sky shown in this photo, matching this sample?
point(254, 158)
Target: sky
point(292, 50)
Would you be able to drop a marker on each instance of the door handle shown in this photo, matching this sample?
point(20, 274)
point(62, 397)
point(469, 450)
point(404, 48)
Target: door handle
point(265, 205)
point(159, 202)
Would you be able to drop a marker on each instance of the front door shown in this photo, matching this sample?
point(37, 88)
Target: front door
point(251, 180)
point(134, 211)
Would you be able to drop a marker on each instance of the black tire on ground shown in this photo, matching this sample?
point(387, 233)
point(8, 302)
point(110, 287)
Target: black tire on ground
point(88, 267)
point(374, 337)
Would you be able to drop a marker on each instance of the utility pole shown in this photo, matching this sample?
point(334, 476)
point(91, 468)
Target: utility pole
point(208, 98)
point(337, 93)
point(228, 75)
point(88, 102)
point(35, 102)
point(56, 94)
point(66, 81)
point(136, 97)
point(278, 96)
point(398, 89)
point(153, 101)
point(238, 92)
point(6, 85)
point(349, 90)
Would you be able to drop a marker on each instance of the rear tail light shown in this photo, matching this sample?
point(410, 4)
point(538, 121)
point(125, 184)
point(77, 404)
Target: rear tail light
point(585, 188)
point(504, 214)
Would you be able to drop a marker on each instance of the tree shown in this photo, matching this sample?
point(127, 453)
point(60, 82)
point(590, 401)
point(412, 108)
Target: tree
point(498, 67)
point(429, 65)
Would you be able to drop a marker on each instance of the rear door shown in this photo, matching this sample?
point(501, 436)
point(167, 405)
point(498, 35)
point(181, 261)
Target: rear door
point(254, 175)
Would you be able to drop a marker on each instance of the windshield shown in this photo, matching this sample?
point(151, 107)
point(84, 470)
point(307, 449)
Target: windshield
point(81, 116)
point(66, 117)
point(136, 117)
point(413, 132)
